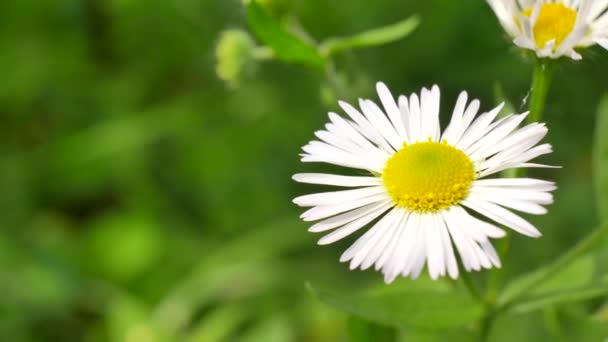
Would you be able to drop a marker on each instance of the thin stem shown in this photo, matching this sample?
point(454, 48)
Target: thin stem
point(263, 53)
point(543, 72)
point(496, 276)
point(579, 249)
point(333, 79)
point(486, 326)
point(468, 283)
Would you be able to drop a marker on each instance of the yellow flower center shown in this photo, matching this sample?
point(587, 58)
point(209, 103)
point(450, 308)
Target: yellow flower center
point(555, 21)
point(428, 176)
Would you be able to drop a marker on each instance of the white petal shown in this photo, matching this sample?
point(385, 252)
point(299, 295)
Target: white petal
point(364, 126)
point(502, 216)
point(479, 128)
point(448, 251)
point(336, 197)
point(352, 227)
point(336, 180)
point(504, 12)
point(434, 247)
point(369, 240)
point(516, 182)
point(392, 110)
point(519, 205)
point(348, 129)
point(389, 236)
point(347, 217)
point(430, 114)
point(321, 212)
point(487, 247)
point(379, 120)
point(415, 119)
point(453, 222)
point(475, 228)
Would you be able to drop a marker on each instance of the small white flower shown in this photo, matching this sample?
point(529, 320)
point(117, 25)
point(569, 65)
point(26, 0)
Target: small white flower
point(554, 28)
point(417, 182)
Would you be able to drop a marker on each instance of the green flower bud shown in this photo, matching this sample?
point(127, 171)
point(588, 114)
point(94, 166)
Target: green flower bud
point(235, 56)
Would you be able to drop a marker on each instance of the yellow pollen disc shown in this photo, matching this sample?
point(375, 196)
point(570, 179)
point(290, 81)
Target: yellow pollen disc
point(555, 21)
point(428, 176)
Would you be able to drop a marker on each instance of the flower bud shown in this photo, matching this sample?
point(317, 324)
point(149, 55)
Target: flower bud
point(235, 56)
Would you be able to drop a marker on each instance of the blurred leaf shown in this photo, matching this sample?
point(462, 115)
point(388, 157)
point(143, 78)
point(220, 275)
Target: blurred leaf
point(374, 37)
point(219, 324)
point(274, 328)
point(579, 273)
point(560, 297)
point(402, 306)
point(107, 139)
point(601, 315)
point(126, 320)
point(285, 45)
point(361, 330)
point(221, 271)
point(601, 160)
point(123, 247)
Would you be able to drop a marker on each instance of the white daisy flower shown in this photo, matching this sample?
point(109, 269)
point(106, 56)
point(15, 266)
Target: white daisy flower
point(424, 189)
point(554, 28)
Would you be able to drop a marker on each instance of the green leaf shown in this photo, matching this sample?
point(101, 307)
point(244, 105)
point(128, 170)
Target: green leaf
point(285, 45)
point(579, 273)
point(219, 324)
point(405, 305)
point(361, 330)
point(600, 160)
point(560, 297)
point(601, 315)
point(374, 37)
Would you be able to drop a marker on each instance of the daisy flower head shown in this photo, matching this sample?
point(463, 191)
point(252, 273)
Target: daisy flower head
point(419, 192)
point(554, 28)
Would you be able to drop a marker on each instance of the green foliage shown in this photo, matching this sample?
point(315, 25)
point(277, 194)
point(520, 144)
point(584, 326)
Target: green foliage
point(143, 200)
point(286, 46)
point(408, 305)
point(375, 37)
point(578, 274)
point(361, 330)
point(560, 297)
point(601, 160)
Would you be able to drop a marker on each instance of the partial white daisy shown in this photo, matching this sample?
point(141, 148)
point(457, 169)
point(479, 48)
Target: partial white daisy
point(420, 190)
point(554, 28)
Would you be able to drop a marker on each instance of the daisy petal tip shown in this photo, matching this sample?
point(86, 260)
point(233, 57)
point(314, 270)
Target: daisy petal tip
point(388, 279)
point(313, 230)
point(323, 242)
point(381, 87)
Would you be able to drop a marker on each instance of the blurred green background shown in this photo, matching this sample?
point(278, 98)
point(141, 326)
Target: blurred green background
point(144, 199)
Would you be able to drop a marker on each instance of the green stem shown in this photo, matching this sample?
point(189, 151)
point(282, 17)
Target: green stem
point(263, 53)
point(496, 275)
point(468, 283)
point(333, 79)
point(488, 318)
point(543, 72)
point(579, 249)
point(486, 326)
